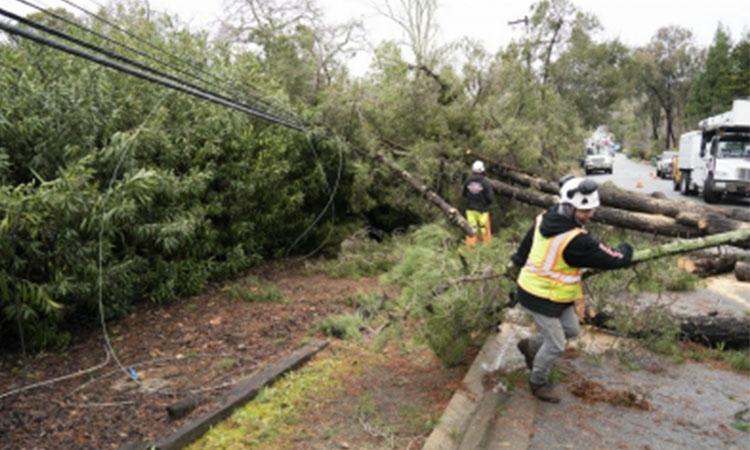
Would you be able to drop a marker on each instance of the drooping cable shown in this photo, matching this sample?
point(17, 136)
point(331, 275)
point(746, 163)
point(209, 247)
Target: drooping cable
point(206, 95)
point(104, 51)
point(325, 208)
point(143, 41)
point(256, 96)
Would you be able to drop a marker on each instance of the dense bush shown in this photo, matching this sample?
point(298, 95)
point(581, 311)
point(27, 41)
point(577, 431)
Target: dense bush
point(166, 191)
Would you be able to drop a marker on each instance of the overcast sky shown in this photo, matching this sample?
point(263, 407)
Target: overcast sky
point(634, 22)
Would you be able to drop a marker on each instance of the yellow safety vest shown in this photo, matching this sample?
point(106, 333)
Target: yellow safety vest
point(546, 274)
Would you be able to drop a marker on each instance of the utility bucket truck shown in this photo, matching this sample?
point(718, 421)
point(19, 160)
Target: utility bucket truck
point(715, 160)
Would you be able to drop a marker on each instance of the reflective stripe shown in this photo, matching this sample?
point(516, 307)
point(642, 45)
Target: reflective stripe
point(546, 274)
point(557, 276)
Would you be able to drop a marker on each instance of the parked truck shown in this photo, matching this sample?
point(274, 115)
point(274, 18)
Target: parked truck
point(715, 160)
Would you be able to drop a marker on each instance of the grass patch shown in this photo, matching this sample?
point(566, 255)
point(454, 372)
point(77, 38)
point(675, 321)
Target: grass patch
point(276, 409)
point(251, 290)
point(225, 364)
point(343, 326)
point(361, 256)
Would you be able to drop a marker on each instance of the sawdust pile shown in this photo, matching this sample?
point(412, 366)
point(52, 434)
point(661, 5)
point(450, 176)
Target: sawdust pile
point(592, 392)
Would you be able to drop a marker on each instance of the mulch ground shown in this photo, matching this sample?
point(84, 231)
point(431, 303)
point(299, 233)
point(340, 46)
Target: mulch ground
point(196, 346)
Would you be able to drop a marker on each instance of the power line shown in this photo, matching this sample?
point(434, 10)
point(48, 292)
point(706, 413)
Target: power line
point(203, 94)
point(146, 42)
point(105, 52)
point(256, 97)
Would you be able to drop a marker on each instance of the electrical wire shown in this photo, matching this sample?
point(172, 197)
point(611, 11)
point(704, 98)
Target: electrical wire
point(104, 51)
point(144, 41)
point(206, 95)
point(328, 204)
point(257, 97)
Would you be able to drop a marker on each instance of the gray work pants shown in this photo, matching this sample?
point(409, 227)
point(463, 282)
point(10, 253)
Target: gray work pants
point(550, 340)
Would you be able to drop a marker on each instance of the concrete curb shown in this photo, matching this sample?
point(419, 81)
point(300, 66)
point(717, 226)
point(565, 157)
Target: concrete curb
point(467, 417)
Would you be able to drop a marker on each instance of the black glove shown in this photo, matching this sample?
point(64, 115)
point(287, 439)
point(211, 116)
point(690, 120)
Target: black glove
point(626, 250)
point(512, 271)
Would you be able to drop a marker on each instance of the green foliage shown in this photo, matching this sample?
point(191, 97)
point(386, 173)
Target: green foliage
point(169, 192)
point(361, 256)
point(454, 314)
point(343, 326)
point(712, 91)
point(275, 410)
point(250, 290)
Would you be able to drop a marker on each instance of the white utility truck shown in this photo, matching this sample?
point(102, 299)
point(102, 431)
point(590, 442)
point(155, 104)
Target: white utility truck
point(715, 160)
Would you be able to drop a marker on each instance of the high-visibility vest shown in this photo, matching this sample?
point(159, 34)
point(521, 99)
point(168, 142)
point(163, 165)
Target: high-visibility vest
point(546, 274)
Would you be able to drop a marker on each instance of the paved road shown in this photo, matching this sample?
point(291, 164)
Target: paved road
point(629, 174)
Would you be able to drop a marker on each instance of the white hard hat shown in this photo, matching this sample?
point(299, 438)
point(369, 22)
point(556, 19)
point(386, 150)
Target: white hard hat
point(581, 193)
point(477, 167)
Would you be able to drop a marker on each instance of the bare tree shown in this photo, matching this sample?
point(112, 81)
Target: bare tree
point(417, 20)
point(293, 26)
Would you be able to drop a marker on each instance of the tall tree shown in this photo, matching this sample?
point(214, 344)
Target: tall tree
point(741, 68)
point(667, 66)
point(712, 91)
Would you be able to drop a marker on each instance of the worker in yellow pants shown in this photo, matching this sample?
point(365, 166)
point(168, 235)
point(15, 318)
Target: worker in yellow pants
point(480, 221)
point(478, 194)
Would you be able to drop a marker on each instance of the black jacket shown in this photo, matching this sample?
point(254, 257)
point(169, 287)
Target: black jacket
point(582, 251)
point(478, 193)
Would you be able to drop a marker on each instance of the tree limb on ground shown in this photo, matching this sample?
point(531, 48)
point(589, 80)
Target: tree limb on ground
point(453, 215)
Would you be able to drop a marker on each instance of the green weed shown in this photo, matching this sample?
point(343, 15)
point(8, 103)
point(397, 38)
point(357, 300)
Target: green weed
point(343, 326)
point(251, 290)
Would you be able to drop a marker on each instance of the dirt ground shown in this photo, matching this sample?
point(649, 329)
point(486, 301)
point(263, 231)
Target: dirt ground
point(200, 346)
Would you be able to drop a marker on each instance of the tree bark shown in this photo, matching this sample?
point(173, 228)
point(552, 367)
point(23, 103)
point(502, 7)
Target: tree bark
point(742, 270)
point(731, 332)
point(453, 215)
point(647, 223)
point(710, 218)
point(708, 266)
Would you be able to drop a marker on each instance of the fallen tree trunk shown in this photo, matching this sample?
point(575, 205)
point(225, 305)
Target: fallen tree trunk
point(453, 215)
point(711, 218)
point(708, 266)
point(727, 331)
point(742, 270)
point(647, 223)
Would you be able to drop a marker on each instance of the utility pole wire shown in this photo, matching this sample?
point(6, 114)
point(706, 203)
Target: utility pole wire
point(106, 52)
point(256, 95)
point(200, 93)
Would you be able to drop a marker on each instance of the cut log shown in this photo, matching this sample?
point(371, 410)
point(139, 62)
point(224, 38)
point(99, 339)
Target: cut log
point(713, 218)
point(453, 215)
point(742, 270)
point(730, 332)
point(647, 223)
point(706, 267)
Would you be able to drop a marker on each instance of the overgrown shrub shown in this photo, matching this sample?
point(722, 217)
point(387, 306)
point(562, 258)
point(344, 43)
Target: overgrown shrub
point(453, 314)
point(343, 326)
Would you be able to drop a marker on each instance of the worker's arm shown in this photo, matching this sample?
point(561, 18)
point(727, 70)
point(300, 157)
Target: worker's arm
point(585, 251)
point(488, 191)
point(519, 258)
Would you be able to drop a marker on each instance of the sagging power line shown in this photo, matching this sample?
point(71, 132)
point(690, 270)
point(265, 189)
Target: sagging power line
point(203, 94)
point(255, 96)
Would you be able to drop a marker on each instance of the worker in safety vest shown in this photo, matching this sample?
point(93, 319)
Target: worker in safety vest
point(550, 259)
point(478, 194)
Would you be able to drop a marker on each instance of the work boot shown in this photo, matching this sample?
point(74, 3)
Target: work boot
point(524, 346)
point(545, 392)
